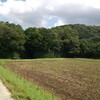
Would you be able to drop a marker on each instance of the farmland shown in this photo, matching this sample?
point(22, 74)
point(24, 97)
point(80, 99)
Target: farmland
point(20, 88)
point(69, 79)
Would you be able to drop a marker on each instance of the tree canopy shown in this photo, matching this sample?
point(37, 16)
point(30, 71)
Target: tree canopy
point(76, 40)
point(12, 40)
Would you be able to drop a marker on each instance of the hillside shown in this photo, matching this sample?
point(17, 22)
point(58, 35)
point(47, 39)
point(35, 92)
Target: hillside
point(63, 41)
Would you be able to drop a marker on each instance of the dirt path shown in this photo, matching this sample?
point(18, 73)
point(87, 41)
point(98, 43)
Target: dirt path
point(4, 92)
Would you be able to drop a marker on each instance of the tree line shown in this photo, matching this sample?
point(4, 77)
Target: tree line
point(76, 40)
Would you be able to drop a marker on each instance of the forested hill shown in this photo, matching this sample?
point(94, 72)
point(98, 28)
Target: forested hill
point(63, 41)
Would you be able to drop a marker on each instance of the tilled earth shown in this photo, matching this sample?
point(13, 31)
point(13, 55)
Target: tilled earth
point(67, 79)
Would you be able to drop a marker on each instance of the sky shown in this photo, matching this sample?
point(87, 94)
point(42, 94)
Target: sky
point(50, 13)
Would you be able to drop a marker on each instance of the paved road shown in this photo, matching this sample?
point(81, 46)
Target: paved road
point(4, 92)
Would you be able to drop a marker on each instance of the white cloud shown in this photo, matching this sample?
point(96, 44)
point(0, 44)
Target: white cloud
point(3, 9)
point(59, 22)
point(34, 12)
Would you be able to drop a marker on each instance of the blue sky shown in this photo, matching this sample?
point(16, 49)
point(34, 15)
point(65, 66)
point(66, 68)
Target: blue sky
point(50, 13)
point(51, 22)
point(3, 0)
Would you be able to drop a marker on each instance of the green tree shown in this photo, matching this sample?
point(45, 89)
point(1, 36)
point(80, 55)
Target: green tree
point(12, 40)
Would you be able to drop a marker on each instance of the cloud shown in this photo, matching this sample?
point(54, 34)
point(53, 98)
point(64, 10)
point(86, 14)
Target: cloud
point(59, 22)
point(38, 12)
point(73, 14)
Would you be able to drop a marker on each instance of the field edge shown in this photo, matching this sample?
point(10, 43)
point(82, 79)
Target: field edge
point(21, 89)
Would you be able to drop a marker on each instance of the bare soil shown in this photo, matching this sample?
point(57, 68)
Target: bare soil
point(67, 79)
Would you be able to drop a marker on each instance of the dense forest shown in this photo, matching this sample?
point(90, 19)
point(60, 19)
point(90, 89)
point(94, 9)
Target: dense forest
point(76, 40)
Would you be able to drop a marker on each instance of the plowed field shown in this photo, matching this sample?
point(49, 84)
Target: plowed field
point(69, 79)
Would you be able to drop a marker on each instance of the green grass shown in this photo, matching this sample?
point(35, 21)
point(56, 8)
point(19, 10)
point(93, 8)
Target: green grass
point(21, 89)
